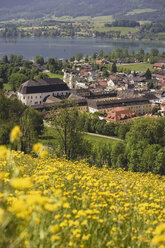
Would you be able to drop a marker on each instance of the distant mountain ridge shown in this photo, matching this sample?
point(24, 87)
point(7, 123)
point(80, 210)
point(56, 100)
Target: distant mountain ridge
point(130, 9)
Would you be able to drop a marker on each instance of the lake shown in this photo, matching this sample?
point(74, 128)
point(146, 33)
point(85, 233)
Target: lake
point(63, 48)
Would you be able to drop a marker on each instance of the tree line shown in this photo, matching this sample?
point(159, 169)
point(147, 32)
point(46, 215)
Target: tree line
point(13, 112)
point(15, 71)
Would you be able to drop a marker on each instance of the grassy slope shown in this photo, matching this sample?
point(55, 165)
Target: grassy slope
point(136, 67)
point(49, 138)
point(139, 11)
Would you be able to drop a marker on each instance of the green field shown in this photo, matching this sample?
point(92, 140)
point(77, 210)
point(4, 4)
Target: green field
point(123, 30)
point(53, 75)
point(136, 66)
point(50, 138)
point(99, 140)
point(99, 19)
point(140, 11)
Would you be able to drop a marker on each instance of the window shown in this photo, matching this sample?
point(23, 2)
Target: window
point(36, 103)
point(31, 97)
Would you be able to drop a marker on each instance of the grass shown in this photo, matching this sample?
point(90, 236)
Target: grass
point(54, 75)
point(7, 86)
point(98, 19)
point(50, 138)
point(140, 11)
point(136, 67)
point(99, 140)
point(123, 30)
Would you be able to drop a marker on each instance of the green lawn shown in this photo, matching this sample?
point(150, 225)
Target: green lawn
point(99, 140)
point(136, 66)
point(53, 75)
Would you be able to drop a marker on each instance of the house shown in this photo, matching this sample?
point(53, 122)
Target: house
point(35, 92)
point(158, 66)
point(120, 114)
point(162, 106)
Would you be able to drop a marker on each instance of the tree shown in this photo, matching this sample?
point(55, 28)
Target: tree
point(114, 68)
point(150, 85)
point(16, 79)
point(105, 73)
point(31, 124)
point(148, 74)
point(154, 52)
point(4, 59)
point(79, 56)
point(39, 60)
point(66, 123)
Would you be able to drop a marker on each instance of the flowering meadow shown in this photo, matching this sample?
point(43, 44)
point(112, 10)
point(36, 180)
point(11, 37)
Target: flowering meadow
point(52, 202)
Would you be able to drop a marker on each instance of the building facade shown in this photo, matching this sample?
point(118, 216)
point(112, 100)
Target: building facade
point(35, 92)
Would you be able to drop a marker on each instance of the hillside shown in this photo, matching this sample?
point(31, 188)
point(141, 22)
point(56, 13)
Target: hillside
point(58, 203)
point(130, 9)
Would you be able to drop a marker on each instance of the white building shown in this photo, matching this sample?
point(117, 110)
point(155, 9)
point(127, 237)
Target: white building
point(35, 92)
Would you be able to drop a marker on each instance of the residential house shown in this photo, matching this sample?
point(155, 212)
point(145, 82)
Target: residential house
point(120, 114)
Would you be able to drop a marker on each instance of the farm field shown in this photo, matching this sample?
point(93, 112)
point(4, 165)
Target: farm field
point(140, 11)
point(123, 30)
point(51, 202)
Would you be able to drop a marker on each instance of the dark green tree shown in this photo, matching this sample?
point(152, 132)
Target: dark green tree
point(148, 74)
point(70, 138)
point(114, 68)
point(39, 60)
point(16, 79)
point(31, 124)
point(105, 73)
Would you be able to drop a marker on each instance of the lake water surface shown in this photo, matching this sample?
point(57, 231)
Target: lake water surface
point(67, 47)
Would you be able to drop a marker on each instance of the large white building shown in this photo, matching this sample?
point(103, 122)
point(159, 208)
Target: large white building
point(35, 92)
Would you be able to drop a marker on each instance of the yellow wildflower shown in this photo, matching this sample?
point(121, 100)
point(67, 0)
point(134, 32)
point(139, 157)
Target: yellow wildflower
point(54, 229)
point(55, 238)
point(15, 134)
point(21, 183)
point(3, 152)
point(1, 215)
point(37, 148)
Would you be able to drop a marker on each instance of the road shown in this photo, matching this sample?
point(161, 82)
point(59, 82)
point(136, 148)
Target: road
point(104, 136)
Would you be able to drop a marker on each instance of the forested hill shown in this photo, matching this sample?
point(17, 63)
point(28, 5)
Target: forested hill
point(132, 9)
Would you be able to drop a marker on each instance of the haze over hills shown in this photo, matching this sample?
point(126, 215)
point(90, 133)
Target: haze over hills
point(127, 9)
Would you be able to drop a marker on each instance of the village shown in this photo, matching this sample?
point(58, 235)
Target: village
point(116, 96)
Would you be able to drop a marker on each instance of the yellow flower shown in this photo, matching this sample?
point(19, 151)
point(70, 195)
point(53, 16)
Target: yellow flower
point(15, 134)
point(21, 183)
point(1, 215)
point(55, 238)
point(40, 150)
point(44, 154)
point(37, 148)
point(54, 229)
point(3, 152)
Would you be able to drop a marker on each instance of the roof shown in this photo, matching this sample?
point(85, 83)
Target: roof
point(116, 103)
point(120, 113)
point(42, 85)
point(158, 65)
